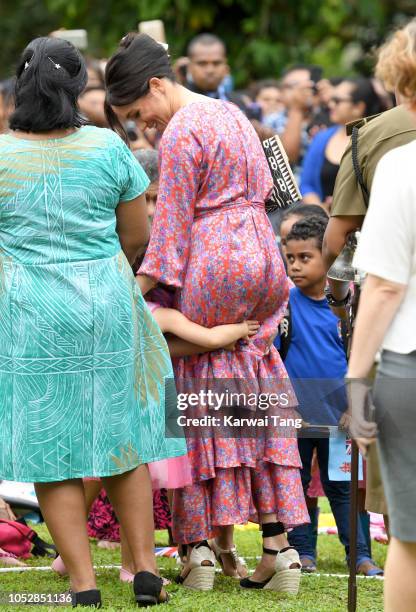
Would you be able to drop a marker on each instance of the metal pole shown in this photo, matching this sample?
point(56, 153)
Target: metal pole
point(352, 580)
point(342, 270)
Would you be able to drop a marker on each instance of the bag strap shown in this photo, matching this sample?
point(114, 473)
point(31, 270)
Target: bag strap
point(43, 549)
point(285, 331)
point(40, 547)
point(356, 165)
point(345, 336)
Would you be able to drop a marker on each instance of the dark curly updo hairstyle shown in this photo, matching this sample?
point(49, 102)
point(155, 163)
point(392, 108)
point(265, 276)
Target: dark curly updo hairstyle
point(310, 227)
point(138, 59)
point(50, 76)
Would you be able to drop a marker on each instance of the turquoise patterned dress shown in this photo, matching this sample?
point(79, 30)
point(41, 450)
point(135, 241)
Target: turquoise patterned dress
point(84, 368)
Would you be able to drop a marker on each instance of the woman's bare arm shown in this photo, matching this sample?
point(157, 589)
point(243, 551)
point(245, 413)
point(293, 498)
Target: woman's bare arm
point(335, 238)
point(380, 299)
point(336, 235)
point(133, 226)
point(292, 136)
point(145, 283)
point(379, 302)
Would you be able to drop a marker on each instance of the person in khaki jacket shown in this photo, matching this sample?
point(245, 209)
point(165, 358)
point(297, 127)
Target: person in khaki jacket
point(376, 136)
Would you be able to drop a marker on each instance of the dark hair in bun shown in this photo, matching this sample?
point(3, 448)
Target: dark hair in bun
point(138, 59)
point(50, 76)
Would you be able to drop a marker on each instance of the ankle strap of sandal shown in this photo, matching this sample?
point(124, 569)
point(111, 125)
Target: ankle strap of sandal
point(199, 544)
point(270, 551)
point(272, 529)
point(283, 550)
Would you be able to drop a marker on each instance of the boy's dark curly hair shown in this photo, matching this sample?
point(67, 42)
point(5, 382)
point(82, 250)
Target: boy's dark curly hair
point(304, 210)
point(311, 227)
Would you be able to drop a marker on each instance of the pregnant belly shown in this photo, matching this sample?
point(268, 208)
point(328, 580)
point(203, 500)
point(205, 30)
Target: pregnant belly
point(234, 272)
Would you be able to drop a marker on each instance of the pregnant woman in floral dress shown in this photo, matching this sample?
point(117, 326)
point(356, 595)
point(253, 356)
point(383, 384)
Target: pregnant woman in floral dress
point(212, 241)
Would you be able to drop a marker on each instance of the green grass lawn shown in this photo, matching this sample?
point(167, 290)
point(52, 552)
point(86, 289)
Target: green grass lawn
point(317, 594)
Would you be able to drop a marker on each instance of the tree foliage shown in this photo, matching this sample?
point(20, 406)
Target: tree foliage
point(262, 36)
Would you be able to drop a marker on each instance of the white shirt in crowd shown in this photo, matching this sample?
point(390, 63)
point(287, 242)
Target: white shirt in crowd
point(387, 245)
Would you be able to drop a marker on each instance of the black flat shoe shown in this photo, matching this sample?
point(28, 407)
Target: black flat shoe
point(147, 588)
point(90, 598)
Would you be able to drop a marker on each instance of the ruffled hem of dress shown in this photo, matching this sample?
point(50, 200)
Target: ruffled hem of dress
point(206, 456)
point(237, 496)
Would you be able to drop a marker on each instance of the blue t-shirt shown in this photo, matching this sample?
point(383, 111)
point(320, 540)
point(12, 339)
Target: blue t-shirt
point(316, 361)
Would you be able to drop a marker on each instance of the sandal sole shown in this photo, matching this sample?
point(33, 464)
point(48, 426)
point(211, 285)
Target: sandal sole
point(285, 581)
point(200, 578)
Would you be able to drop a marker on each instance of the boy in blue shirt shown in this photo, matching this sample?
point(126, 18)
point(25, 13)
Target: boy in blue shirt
point(314, 350)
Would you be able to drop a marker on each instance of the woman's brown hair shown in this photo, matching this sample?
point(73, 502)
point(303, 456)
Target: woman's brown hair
point(129, 70)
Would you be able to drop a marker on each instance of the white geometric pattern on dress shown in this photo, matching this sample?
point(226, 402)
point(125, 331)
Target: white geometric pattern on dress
point(82, 362)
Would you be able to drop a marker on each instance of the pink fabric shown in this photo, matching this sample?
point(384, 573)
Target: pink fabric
point(102, 521)
point(315, 486)
point(152, 306)
point(7, 558)
point(235, 496)
point(176, 471)
point(161, 511)
point(103, 524)
point(160, 296)
point(16, 538)
point(212, 240)
point(171, 473)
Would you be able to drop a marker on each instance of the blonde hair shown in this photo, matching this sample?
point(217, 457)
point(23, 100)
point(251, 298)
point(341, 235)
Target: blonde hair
point(396, 65)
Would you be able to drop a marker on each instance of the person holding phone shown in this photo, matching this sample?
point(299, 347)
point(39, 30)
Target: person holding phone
point(351, 99)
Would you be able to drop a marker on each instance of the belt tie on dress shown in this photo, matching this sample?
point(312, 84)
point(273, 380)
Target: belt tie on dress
point(225, 208)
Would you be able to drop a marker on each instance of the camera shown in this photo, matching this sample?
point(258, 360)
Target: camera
point(254, 112)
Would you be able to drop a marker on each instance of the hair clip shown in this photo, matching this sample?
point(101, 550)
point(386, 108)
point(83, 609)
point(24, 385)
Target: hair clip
point(28, 62)
point(57, 66)
point(164, 45)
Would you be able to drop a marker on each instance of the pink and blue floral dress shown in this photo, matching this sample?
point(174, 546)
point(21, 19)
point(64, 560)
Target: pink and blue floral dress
point(211, 240)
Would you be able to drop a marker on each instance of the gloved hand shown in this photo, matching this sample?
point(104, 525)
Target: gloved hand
point(358, 420)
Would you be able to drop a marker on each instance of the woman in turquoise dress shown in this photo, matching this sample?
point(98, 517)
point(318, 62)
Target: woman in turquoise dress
point(83, 366)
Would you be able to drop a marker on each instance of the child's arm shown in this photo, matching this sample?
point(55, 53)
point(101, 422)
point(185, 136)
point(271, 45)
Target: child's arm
point(182, 348)
point(174, 322)
point(146, 283)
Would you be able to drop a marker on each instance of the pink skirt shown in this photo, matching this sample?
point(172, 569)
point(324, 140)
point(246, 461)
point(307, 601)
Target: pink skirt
point(167, 473)
point(171, 473)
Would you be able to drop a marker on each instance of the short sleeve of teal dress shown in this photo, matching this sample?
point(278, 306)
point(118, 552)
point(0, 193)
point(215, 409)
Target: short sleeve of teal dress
point(84, 367)
point(131, 176)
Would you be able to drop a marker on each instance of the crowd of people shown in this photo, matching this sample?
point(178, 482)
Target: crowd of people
point(138, 265)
